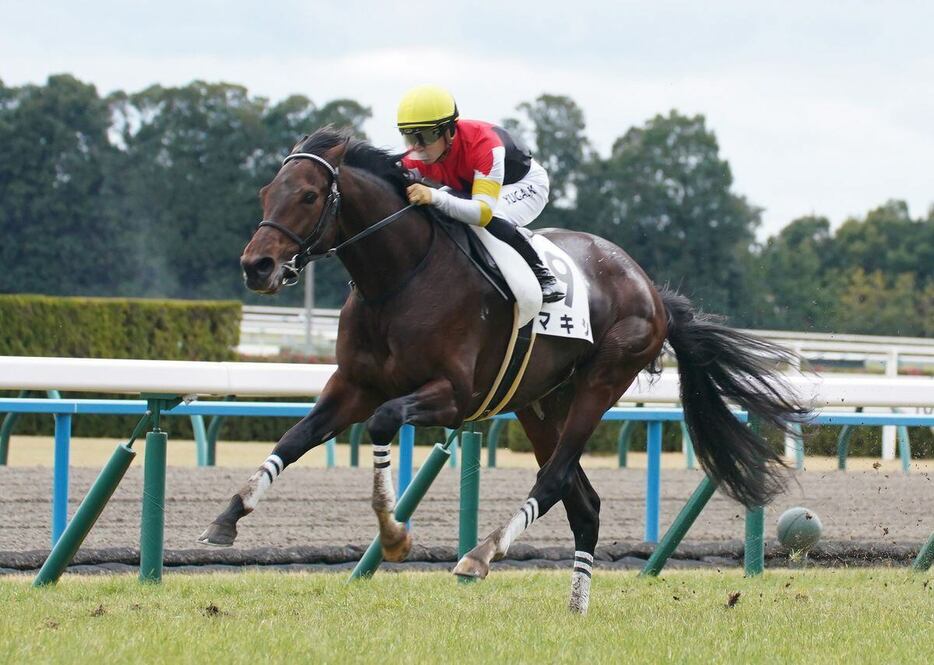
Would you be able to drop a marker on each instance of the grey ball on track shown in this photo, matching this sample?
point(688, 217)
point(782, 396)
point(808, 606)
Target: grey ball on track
point(799, 529)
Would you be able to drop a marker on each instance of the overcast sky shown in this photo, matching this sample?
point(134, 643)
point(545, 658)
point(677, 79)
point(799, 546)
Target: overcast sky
point(820, 107)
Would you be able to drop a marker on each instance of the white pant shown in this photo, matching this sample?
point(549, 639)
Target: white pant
point(522, 202)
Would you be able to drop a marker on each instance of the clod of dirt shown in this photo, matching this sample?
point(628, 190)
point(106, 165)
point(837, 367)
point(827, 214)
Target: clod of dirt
point(733, 598)
point(802, 596)
point(99, 612)
point(51, 625)
point(212, 610)
point(876, 465)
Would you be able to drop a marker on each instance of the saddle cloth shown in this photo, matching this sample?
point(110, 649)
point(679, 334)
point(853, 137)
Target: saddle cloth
point(568, 318)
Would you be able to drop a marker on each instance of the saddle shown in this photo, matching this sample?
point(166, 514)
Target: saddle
point(476, 252)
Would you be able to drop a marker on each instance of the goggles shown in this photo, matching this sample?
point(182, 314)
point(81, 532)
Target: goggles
point(422, 136)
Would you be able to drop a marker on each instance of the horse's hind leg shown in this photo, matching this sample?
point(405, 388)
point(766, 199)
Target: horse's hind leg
point(583, 508)
point(340, 405)
point(432, 404)
point(626, 348)
point(581, 501)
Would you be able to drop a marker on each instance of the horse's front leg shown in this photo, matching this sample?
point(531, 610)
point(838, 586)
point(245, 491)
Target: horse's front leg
point(341, 404)
point(432, 404)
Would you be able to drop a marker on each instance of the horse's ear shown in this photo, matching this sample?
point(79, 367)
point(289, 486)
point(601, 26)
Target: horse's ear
point(336, 154)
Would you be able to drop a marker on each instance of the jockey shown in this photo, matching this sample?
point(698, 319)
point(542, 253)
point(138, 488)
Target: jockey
point(508, 188)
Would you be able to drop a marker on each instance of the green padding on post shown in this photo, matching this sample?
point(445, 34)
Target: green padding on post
point(754, 555)
point(152, 526)
point(356, 435)
point(925, 556)
point(6, 429)
point(86, 515)
point(690, 458)
point(492, 442)
point(404, 507)
point(622, 445)
point(470, 491)
point(679, 527)
point(201, 440)
point(904, 447)
point(214, 430)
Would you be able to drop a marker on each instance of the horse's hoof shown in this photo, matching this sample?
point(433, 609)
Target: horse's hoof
point(471, 568)
point(219, 535)
point(399, 549)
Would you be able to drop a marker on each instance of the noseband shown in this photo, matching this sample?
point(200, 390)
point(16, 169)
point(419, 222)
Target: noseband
point(293, 268)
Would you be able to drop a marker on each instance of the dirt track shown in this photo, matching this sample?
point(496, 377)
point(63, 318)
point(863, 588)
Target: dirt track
point(317, 507)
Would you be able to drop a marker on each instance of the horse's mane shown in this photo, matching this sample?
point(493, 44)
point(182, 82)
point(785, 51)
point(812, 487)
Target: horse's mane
point(360, 154)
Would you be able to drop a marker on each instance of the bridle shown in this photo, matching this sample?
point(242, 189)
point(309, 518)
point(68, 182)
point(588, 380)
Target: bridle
point(293, 268)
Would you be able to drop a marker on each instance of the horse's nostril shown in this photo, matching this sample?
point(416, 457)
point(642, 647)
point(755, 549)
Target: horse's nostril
point(259, 269)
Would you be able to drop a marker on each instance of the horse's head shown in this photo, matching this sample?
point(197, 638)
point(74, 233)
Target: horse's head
point(300, 216)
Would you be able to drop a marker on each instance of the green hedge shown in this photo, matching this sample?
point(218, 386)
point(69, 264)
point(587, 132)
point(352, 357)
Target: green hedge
point(33, 325)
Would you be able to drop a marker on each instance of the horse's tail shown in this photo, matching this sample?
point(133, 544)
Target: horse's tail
point(716, 364)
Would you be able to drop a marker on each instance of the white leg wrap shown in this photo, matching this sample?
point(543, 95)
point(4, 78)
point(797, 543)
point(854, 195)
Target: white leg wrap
point(580, 582)
point(521, 521)
point(384, 493)
point(261, 480)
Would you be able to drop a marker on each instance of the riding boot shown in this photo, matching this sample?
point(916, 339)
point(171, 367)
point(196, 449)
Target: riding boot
point(510, 234)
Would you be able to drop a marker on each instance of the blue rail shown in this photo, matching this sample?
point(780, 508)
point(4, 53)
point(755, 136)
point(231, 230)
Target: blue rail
point(64, 409)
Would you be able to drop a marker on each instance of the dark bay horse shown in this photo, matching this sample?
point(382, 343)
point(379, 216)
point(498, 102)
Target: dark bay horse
point(423, 335)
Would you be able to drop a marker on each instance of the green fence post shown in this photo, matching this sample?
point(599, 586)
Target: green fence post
point(679, 527)
point(201, 440)
point(356, 435)
point(754, 551)
point(90, 508)
point(406, 505)
point(622, 443)
point(453, 448)
point(904, 447)
point(330, 450)
point(690, 459)
point(843, 443)
point(470, 493)
point(152, 524)
point(86, 515)
point(213, 433)
point(493, 442)
point(6, 429)
point(799, 446)
point(925, 556)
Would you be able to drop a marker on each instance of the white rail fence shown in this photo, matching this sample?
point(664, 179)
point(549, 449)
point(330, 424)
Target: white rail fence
point(305, 380)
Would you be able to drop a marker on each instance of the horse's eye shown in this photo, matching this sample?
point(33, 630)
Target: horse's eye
point(309, 197)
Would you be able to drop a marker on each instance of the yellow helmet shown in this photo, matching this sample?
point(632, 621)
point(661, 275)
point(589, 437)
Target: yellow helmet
point(426, 106)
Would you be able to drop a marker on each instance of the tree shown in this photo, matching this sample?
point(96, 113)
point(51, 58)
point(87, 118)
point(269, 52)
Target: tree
point(189, 180)
point(57, 235)
point(888, 239)
point(555, 125)
point(664, 195)
point(873, 304)
point(801, 296)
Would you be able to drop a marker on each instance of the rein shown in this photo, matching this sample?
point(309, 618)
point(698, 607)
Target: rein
point(293, 268)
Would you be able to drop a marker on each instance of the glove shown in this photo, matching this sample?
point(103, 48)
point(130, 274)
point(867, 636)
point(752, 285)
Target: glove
point(419, 194)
